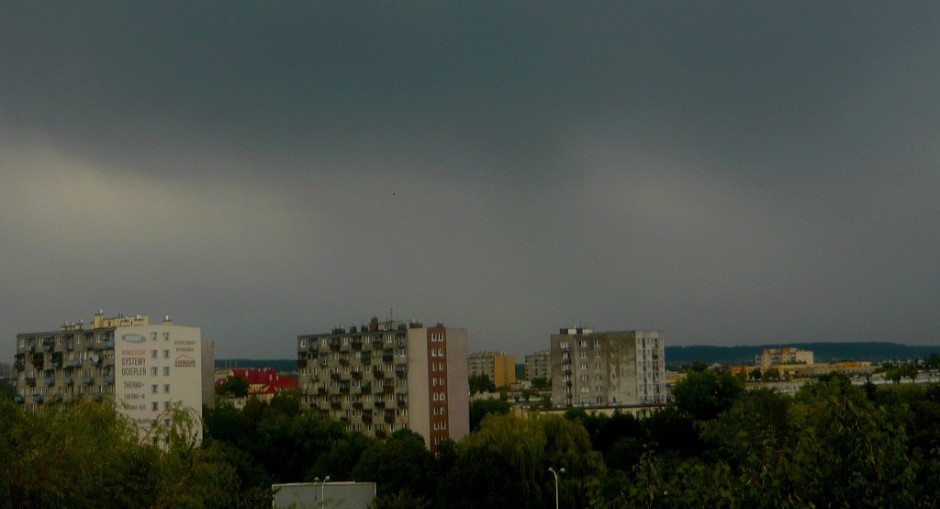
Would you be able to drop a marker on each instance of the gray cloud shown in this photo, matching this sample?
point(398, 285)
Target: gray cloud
point(730, 173)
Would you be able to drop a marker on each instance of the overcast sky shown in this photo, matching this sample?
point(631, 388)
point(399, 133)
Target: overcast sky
point(728, 172)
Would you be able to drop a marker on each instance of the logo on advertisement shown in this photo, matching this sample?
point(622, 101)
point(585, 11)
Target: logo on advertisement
point(185, 361)
point(133, 338)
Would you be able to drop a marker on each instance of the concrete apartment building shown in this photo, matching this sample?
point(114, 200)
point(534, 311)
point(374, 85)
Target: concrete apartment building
point(788, 355)
point(605, 369)
point(538, 365)
point(497, 366)
point(388, 375)
point(144, 369)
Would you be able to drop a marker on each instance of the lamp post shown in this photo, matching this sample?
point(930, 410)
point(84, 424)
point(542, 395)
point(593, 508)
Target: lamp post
point(322, 484)
point(556, 473)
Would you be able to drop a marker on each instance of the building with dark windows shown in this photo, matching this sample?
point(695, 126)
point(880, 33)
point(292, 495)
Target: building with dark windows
point(608, 369)
point(145, 370)
point(385, 376)
point(538, 365)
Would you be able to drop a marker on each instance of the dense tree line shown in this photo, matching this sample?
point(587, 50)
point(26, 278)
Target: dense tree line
point(715, 445)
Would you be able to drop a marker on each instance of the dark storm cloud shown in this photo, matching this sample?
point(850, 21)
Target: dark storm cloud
point(728, 172)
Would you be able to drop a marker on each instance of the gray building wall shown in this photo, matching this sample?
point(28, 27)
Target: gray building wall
point(600, 369)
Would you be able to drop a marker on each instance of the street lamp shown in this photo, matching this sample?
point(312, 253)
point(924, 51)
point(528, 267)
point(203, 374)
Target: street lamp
point(322, 484)
point(556, 474)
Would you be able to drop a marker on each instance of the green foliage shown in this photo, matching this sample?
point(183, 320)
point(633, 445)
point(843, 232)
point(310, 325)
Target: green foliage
point(481, 383)
point(704, 394)
point(480, 408)
point(233, 386)
point(541, 383)
point(400, 464)
point(830, 445)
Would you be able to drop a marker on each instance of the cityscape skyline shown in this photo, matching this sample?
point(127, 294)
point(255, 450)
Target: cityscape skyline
point(730, 174)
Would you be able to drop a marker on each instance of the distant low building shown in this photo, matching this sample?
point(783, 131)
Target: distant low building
point(335, 495)
point(788, 355)
point(263, 384)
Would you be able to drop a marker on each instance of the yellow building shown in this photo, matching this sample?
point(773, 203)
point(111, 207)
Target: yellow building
point(497, 366)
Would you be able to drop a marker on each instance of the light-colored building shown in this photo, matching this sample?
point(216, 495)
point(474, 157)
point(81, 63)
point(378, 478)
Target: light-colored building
point(313, 495)
point(608, 369)
point(146, 370)
point(499, 367)
point(388, 375)
point(788, 355)
point(538, 365)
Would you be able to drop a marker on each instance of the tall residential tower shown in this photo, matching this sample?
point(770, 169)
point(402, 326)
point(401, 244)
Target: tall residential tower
point(604, 369)
point(386, 376)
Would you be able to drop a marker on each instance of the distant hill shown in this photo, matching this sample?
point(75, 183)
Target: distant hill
point(822, 352)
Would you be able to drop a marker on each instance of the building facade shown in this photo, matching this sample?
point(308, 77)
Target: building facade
point(499, 367)
point(386, 376)
point(788, 355)
point(538, 365)
point(145, 370)
point(605, 369)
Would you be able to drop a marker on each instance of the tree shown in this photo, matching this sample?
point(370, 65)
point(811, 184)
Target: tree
point(400, 464)
point(233, 386)
point(705, 394)
point(481, 383)
point(541, 383)
point(755, 374)
point(506, 456)
point(480, 408)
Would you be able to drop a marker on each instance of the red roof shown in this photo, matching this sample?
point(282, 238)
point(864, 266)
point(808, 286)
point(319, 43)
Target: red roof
point(265, 376)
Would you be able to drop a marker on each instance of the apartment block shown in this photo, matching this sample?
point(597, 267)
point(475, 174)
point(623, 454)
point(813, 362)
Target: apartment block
point(387, 375)
point(499, 367)
point(604, 369)
point(145, 370)
point(538, 365)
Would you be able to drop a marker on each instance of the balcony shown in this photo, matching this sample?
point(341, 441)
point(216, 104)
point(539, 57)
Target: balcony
point(37, 398)
point(30, 382)
point(48, 381)
point(109, 379)
point(68, 380)
point(108, 344)
point(18, 398)
point(378, 373)
point(379, 404)
point(87, 380)
point(75, 363)
point(47, 347)
point(301, 363)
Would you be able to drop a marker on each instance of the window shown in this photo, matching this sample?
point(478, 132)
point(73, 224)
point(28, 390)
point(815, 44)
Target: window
point(166, 336)
point(153, 388)
point(166, 354)
point(153, 336)
point(166, 405)
point(154, 406)
point(166, 371)
point(153, 354)
point(166, 388)
point(153, 371)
